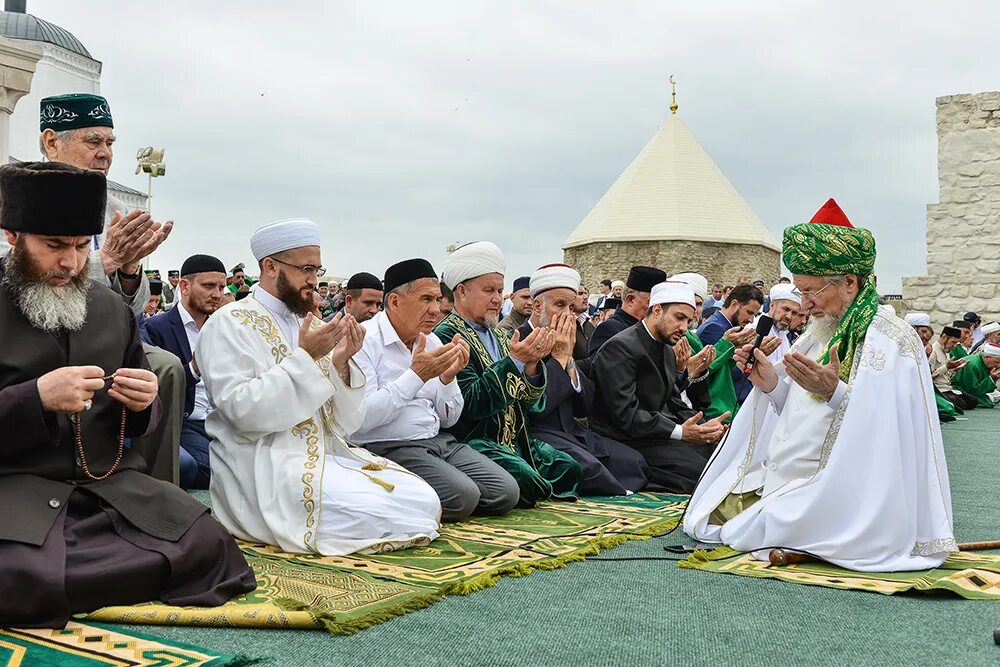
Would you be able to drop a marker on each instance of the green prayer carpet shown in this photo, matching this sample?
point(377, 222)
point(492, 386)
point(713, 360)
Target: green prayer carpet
point(651, 612)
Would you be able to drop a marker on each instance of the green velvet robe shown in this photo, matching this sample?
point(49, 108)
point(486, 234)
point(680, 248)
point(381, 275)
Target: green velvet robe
point(959, 352)
point(947, 411)
point(974, 379)
point(494, 420)
point(720, 377)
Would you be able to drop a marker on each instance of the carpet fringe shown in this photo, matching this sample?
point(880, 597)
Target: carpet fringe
point(701, 557)
point(479, 582)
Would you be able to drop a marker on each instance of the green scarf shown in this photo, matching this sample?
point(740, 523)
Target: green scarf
point(850, 333)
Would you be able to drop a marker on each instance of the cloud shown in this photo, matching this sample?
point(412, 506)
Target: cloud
point(402, 127)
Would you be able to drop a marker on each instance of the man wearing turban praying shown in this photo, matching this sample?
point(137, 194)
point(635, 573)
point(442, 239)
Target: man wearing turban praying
point(853, 470)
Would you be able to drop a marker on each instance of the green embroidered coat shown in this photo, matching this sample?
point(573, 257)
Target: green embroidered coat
point(494, 419)
point(720, 377)
point(974, 379)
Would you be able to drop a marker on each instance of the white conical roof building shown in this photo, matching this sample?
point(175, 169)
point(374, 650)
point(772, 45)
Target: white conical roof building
point(673, 208)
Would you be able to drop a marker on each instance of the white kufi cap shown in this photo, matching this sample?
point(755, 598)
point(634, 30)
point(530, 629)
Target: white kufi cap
point(672, 291)
point(553, 276)
point(471, 261)
point(617, 283)
point(283, 235)
point(991, 350)
point(991, 328)
point(698, 283)
point(918, 319)
point(785, 292)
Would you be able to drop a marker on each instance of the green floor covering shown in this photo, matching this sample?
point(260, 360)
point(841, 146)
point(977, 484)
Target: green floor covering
point(653, 613)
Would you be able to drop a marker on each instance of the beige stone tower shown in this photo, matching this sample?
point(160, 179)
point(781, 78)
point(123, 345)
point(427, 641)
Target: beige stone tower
point(963, 228)
point(674, 209)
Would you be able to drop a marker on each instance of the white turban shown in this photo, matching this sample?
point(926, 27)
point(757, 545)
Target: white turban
point(471, 261)
point(617, 283)
point(918, 319)
point(698, 283)
point(283, 235)
point(785, 292)
point(553, 276)
point(991, 328)
point(991, 350)
point(672, 291)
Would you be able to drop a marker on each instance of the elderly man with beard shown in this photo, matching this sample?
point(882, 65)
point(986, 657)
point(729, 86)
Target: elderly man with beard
point(853, 470)
point(78, 129)
point(286, 392)
point(83, 526)
point(203, 279)
point(504, 381)
point(638, 398)
point(411, 394)
point(609, 467)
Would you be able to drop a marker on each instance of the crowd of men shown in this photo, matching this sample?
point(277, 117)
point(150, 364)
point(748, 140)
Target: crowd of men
point(355, 418)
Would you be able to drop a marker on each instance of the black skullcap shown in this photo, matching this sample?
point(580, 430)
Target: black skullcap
point(173, 273)
point(364, 281)
point(954, 332)
point(961, 324)
point(156, 287)
point(522, 283)
point(642, 278)
point(52, 199)
point(202, 264)
point(407, 271)
point(324, 283)
point(611, 303)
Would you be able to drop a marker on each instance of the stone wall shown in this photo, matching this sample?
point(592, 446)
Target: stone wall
point(963, 228)
point(719, 262)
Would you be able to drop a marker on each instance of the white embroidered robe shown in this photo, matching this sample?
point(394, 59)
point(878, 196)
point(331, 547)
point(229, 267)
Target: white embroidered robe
point(281, 472)
point(861, 483)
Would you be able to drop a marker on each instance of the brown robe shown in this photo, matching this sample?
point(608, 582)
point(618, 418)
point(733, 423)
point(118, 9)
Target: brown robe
point(79, 544)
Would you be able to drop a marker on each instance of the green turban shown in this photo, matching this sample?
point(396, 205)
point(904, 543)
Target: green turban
point(812, 249)
point(72, 111)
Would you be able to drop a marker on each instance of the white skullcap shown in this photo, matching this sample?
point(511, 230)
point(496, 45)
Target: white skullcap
point(471, 261)
point(672, 292)
point(785, 292)
point(698, 283)
point(283, 235)
point(918, 319)
point(617, 283)
point(553, 276)
point(991, 350)
point(991, 328)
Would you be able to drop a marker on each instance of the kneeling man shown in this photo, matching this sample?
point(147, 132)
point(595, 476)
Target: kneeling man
point(411, 393)
point(83, 525)
point(285, 391)
point(853, 470)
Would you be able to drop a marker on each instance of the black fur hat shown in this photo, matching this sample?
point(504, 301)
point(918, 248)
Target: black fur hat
point(52, 199)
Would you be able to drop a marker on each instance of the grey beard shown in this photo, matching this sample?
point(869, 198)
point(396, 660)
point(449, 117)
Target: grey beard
point(49, 308)
point(492, 321)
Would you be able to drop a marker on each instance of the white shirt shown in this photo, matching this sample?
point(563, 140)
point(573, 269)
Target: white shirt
point(201, 405)
point(398, 404)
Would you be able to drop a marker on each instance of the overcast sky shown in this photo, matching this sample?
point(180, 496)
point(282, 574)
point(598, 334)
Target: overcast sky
point(402, 127)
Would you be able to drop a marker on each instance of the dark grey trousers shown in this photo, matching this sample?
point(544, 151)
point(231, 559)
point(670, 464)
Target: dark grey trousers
point(465, 480)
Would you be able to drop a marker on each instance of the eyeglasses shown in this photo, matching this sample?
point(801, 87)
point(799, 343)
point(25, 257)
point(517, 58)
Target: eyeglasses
point(811, 295)
point(305, 268)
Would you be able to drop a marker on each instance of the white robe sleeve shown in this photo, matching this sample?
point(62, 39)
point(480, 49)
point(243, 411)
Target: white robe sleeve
point(271, 401)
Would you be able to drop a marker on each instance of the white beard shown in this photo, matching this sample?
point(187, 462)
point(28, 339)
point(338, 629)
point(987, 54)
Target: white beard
point(492, 321)
point(822, 328)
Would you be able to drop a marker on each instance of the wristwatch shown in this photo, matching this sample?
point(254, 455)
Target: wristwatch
point(129, 276)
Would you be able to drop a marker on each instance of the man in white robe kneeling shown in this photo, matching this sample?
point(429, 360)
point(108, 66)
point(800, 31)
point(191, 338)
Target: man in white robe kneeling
point(852, 471)
point(285, 390)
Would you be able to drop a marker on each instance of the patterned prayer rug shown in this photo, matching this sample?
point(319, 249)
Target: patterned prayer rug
point(79, 645)
point(345, 594)
point(974, 576)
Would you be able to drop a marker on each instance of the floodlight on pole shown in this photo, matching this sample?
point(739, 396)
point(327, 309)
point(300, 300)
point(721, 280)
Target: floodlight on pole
point(150, 160)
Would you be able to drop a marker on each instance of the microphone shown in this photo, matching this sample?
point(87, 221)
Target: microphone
point(764, 325)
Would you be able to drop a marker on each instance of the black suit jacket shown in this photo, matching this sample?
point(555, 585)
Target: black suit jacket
point(610, 328)
point(638, 400)
point(584, 332)
point(167, 332)
point(562, 403)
